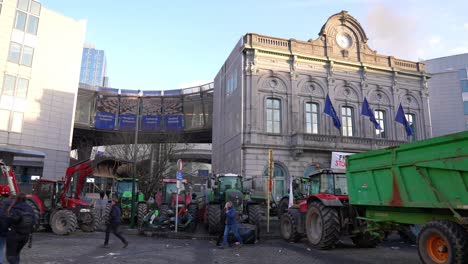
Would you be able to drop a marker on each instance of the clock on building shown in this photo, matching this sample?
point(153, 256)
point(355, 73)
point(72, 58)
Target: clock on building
point(344, 40)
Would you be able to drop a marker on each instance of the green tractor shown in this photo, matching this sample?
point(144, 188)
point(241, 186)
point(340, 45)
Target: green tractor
point(124, 194)
point(229, 187)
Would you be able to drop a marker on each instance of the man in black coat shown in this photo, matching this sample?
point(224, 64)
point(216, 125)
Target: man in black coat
point(113, 224)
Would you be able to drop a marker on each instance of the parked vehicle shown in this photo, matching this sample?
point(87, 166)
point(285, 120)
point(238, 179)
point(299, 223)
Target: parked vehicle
point(58, 204)
point(301, 190)
point(229, 187)
point(8, 183)
point(422, 183)
point(124, 194)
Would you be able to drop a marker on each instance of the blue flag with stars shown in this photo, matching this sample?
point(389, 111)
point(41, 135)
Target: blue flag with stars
point(330, 110)
point(400, 118)
point(367, 111)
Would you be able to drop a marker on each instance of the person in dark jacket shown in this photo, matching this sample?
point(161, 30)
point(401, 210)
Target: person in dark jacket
point(114, 223)
point(20, 219)
point(3, 227)
point(231, 224)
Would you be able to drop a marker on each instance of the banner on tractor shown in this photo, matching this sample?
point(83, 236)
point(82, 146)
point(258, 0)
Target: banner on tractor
point(338, 160)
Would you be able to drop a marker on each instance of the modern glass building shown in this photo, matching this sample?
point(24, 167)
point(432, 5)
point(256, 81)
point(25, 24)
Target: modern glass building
point(40, 54)
point(93, 67)
point(448, 93)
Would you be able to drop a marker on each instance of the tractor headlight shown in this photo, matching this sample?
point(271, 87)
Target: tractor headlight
point(84, 210)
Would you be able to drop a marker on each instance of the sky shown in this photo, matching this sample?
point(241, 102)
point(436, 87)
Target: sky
point(159, 45)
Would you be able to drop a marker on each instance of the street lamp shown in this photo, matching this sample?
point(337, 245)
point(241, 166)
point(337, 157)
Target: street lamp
point(135, 154)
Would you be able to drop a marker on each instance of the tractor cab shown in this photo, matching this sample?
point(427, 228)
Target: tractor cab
point(229, 187)
point(169, 192)
point(48, 192)
point(328, 182)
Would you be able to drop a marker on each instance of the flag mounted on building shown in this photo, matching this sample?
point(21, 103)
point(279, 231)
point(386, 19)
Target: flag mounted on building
point(330, 110)
point(401, 118)
point(367, 111)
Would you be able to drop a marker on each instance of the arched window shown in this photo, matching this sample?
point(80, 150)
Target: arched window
point(380, 118)
point(279, 181)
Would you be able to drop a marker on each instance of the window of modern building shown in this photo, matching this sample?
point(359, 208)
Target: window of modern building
point(273, 118)
point(15, 86)
point(465, 107)
point(411, 118)
point(17, 122)
point(464, 85)
point(27, 16)
point(380, 118)
point(1, 2)
point(311, 118)
point(347, 120)
point(5, 117)
point(20, 54)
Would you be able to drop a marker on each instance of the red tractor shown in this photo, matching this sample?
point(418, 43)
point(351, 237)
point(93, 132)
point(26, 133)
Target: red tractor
point(8, 184)
point(326, 215)
point(167, 198)
point(58, 204)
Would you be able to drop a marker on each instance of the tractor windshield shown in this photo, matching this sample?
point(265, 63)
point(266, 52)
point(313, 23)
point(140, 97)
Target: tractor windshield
point(125, 186)
point(331, 183)
point(226, 183)
point(171, 187)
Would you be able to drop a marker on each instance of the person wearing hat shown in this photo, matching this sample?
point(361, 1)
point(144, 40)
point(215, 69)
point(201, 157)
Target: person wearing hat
point(113, 224)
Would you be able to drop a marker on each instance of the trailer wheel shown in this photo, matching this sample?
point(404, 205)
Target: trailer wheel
point(214, 218)
point(322, 225)
point(89, 221)
point(288, 227)
point(443, 241)
point(63, 222)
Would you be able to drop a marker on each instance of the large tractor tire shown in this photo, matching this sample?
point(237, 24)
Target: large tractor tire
point(288, 227)
point(37, 214)
point(282, 207)
point(365, 240)
point(142, 212)
point(255, 214)
point(322, 226)
point(214, 218)
point(63, 222)
point(164, 210)
point(443, 241)
point(89, 221)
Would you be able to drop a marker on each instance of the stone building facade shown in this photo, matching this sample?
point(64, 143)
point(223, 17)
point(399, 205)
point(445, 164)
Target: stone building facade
point(270, 94)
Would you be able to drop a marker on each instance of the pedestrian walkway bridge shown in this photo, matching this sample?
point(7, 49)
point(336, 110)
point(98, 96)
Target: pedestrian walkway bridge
point(106, 116)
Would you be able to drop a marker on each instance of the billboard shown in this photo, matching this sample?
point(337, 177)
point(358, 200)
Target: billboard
point(173, 113)
point(107, 106)
point(338, 160)
point(128, 112)
point(151, 113)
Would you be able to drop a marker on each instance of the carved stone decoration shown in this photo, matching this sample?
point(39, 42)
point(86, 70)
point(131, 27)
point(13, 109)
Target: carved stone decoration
point(346, 93)
point(364, 77)
point(379, 97)
point(410, 101)
point(251, 64)
point(273, 83)
point(312, 88)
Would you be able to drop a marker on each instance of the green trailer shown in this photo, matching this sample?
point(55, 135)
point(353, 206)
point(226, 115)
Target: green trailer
point(424, 183)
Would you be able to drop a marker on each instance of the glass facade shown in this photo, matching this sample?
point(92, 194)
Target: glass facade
point(311, 118)
point(347, 120)
point(380, 118)
point(273, 115)
point(93, 67)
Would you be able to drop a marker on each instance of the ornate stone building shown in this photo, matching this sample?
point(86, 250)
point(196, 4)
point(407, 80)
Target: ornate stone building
point(270, 94)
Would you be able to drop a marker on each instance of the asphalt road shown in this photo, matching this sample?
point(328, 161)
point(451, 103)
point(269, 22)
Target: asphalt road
point(85, 248)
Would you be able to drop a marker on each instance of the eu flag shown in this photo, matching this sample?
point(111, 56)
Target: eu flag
point(330, 110)
point(400, 118)
point(367, 111)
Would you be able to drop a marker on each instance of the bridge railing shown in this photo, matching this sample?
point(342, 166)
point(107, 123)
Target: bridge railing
point(171, 110)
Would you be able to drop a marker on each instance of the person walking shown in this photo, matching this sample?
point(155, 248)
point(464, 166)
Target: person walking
point(113, 224)
point(231, 224)
point(3, 227)
point(21, 220)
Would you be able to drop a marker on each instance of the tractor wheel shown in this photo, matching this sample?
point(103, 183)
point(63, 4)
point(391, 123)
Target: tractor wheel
point(63, 222)
point(282, 207)
point(163, 210)
point(142, 211)
point(407, 234)
point(365, 240)
point(255, 214)
point(322, 225)
point(288, 227)
point(193, 211)
point(443, 241)
point(89, 221)
point(214, 218)
point(37, 214)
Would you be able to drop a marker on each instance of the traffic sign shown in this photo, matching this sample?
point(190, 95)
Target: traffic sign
point(179, 175)
point(180, 165)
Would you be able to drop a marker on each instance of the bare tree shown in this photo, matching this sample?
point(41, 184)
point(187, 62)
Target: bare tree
point(154, 158)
